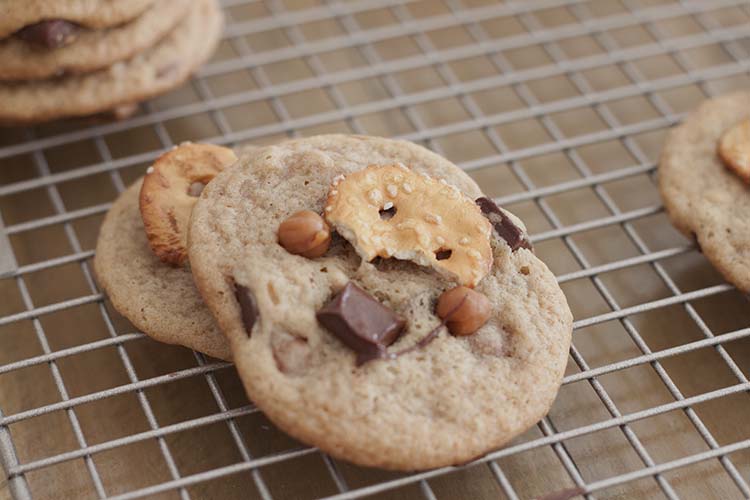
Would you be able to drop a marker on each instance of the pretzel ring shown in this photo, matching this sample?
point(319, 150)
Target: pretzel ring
point(169, 191)
point(391, 211)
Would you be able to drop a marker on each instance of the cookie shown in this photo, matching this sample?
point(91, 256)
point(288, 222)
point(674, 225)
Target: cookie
point(160, 68)
point(92, 49)
point(157, 296)
point(349, 355)
point(160, 300)
point(704, 198)
point(96, 14)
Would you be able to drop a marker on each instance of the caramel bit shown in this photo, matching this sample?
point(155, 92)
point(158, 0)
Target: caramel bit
point(169, 191)
point(466, 310)
point(305, 233)
point(734, 149)
point(391, 211)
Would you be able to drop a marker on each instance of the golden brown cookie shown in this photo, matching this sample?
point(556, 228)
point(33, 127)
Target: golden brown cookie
point(96, 14)
point(159, 299)
point(158, 69)
point(351, 356)
point(91, 49)
point(705, 199)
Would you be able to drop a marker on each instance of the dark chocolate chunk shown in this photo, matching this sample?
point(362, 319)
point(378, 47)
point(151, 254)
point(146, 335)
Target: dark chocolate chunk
point(248, 307)
point(49, 34)
point(504, 227)
point(368, 327)
point(361, 322)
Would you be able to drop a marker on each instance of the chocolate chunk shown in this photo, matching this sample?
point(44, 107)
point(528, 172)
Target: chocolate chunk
point(368, 327)
point(248, 307)
point(504, 227)
point(50, 34)
point(361, 322)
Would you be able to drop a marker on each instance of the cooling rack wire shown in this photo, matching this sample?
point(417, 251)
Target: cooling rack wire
point(558, 108)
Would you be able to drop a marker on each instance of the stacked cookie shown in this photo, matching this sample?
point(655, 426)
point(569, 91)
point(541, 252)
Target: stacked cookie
point(375, 303)
point(81, 57)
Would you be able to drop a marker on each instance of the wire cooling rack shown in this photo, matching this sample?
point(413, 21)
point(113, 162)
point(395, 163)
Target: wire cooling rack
point(558, 108)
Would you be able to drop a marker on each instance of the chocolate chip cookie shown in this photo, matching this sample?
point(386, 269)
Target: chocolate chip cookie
point(705, 183)
point(17, 16)
point(85, 50)
point(140, 258)
point(158, 69)
point(325, 262)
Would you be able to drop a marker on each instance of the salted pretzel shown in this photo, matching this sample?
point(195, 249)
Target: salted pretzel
point(391, 211)
point(169, 191)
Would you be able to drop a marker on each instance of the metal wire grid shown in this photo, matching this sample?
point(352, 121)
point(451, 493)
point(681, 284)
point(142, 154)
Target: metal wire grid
point(460, 13)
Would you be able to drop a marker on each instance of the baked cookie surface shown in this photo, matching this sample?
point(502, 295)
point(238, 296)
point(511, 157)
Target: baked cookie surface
point(444, 402)
point(158, 69)
point(90, 13)
point(92, 49)
point(158, 299)
point(704, 198)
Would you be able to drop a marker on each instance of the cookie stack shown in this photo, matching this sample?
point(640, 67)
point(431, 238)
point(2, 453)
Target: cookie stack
point(375, 303)
point(80, 57)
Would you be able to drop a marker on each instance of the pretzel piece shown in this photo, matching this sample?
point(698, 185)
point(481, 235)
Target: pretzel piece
point(391, 211)
point(169, 191)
